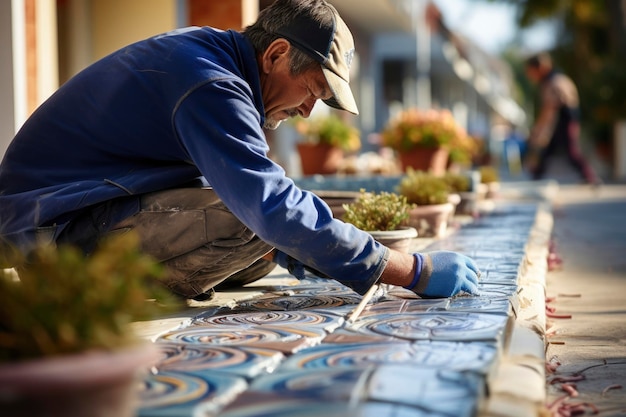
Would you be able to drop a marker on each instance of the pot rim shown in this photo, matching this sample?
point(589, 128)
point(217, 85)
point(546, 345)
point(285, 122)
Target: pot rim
point(400, 233)
point(436, 207)
point(79, 370)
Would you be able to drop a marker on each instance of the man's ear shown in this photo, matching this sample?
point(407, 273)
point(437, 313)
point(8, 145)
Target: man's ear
point(279, 49)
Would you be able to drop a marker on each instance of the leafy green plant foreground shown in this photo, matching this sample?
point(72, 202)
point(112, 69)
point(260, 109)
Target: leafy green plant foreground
point(65, 302)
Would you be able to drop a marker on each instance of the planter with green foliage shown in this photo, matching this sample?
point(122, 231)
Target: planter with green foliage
point(384, 216)
point(461, 185)
point(66, 348)
point(426, 139)
point(324, 142)
point(457, 182)
point(430, 194)
point(490, 178)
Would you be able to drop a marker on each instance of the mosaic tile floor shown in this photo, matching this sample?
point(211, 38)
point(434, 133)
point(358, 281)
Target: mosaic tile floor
point(290, 352)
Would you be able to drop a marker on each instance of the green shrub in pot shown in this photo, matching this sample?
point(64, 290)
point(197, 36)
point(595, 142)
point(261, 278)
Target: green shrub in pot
point(423, 188)
point(377, 211)
point(384, 215)
point(430, 195)
point(66, 345)
point(458, 183)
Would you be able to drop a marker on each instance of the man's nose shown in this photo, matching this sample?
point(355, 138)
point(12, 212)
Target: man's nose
point(307, 106)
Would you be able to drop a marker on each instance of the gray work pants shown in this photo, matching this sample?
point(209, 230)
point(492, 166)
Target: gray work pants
point(198, 239)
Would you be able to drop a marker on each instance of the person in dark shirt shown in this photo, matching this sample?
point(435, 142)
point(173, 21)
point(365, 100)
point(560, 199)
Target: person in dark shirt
point(557, 127)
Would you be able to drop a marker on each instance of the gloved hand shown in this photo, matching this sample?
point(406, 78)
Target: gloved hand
point(444, 274)
point(295, 267)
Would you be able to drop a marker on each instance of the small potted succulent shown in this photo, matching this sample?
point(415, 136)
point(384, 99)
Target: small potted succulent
point(66, 346)
point(425, 140)
point(325, 141)
point(490, 178)
point(458, 183)
point(430, 195)
point(384, 216)
point(461, 185)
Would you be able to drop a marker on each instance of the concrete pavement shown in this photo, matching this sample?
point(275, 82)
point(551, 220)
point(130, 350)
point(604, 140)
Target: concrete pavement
point(586, 325)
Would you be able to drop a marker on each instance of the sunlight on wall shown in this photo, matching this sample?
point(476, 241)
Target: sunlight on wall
point(117, 23)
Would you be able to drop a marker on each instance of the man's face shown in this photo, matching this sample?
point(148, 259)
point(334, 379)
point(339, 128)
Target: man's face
point(285, 95)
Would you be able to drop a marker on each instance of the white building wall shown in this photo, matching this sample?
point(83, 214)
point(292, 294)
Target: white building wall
point(8, 113)
point(14, 106)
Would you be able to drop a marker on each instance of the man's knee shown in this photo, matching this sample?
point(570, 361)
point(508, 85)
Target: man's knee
point(208, 267)
point(197, 238)
point(172, 223)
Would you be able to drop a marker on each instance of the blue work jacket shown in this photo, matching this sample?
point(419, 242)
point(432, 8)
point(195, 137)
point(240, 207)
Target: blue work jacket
point(158, 114)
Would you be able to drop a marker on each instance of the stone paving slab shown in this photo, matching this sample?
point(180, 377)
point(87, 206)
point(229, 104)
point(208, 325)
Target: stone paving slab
point(435, 390)
point(283, 347)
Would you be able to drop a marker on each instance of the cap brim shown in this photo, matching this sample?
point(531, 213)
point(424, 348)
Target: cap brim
point(342, 94)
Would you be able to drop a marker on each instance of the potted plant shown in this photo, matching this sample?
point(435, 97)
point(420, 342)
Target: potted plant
point(326, 139)
point(66, 348)
point(490, 178)
point(384, 216)
point(424, 140)
point(463, 152)
point(430, 195)
point(460, 184)
point(457, 182)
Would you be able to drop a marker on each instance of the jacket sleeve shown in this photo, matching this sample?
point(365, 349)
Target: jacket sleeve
point(220, 128)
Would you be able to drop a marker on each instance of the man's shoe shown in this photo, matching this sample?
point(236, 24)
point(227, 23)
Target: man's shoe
point(205, 296)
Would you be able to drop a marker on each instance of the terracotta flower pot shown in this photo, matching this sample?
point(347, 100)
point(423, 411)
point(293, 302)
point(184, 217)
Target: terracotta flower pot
point(431, 220)
point(90, 384)
point(399, 239)
point(319, 158)
point(434, 160)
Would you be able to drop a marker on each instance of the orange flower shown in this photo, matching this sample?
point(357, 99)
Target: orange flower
point(430, 128)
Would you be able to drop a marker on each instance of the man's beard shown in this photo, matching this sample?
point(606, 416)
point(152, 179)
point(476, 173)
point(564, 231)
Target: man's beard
point(271, 124)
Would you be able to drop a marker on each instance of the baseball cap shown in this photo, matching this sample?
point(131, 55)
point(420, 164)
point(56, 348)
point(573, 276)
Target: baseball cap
point(333, 47)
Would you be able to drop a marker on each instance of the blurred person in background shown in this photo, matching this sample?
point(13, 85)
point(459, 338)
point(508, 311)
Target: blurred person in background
point(556, 130)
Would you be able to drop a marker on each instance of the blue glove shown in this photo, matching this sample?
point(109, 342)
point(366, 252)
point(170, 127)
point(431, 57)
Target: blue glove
point(295, 267)
point(444, 274)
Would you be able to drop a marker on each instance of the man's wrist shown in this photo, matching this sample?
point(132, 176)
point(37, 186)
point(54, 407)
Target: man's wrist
point(400, 269)
point(422, 274)
point(419, 262)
